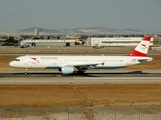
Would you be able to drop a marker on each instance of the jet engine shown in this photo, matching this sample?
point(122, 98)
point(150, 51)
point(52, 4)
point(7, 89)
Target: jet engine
point(67, 70)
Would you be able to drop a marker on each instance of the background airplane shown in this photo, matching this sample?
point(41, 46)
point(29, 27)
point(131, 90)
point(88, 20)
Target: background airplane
point(69, 64)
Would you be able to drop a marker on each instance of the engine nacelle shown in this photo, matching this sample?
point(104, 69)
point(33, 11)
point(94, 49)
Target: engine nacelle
point(67, 70)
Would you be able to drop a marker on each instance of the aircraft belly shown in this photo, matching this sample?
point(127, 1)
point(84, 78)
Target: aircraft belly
point(111, 66)
point(108, 67)
point(52, 67)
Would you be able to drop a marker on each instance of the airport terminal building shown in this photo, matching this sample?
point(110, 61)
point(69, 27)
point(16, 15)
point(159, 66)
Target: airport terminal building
point(91, 41)
point(115, 41)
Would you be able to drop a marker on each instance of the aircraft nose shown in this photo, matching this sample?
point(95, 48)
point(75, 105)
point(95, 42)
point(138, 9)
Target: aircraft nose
point(11, 64)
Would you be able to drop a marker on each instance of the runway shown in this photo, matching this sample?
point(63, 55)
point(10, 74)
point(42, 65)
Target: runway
point(90, 77)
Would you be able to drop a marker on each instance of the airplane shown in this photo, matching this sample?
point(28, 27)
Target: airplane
point(69, 64)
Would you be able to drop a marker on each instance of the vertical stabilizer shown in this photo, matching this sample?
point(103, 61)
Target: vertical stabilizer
point(142, 48)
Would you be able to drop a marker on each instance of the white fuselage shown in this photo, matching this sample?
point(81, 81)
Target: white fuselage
point(57, 62)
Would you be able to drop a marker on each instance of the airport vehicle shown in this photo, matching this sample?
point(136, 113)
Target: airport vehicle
point(98, 46)
point(69, 64)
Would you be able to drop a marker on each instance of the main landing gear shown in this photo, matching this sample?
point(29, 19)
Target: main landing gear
point(80, 72)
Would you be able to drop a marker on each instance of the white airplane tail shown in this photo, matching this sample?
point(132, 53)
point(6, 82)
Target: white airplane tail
point(142, 48)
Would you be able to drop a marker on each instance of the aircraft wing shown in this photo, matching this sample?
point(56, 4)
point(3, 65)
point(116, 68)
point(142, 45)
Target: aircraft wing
point(84, 66)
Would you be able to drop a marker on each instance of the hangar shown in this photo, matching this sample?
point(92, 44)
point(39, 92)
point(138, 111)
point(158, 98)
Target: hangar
point(47, 42)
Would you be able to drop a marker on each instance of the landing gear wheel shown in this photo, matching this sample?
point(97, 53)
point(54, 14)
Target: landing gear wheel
point(81, 72)
point(26, 71)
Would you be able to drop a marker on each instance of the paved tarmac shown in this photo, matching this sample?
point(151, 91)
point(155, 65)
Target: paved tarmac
point(90, 77)
point(90, 49)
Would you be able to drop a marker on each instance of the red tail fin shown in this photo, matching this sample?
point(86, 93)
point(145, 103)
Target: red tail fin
point(142, 48)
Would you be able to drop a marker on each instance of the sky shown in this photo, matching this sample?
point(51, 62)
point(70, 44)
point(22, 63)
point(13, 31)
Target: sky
point(68, 14)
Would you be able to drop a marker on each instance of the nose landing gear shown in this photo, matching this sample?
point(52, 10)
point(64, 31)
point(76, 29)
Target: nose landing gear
point(26, 71)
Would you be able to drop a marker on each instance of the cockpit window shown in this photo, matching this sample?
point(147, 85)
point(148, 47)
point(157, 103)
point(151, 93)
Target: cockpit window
point(16, 60)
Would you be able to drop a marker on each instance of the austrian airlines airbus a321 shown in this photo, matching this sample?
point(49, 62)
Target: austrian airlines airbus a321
point(69, 64)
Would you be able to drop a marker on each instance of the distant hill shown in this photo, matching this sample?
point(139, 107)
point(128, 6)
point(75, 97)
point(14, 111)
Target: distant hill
point(86, 31)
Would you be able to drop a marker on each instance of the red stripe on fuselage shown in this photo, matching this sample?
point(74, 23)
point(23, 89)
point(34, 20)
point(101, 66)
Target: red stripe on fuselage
point(137, 53)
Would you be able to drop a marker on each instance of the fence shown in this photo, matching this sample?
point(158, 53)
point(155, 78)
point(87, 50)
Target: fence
point(50, 114)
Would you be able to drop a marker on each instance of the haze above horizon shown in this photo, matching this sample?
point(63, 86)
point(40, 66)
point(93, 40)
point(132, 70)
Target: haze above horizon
point(68, 14)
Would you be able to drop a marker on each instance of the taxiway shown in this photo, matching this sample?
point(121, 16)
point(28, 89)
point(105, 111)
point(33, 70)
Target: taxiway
point(90, 77)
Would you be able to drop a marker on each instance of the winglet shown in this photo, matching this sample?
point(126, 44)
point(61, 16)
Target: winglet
point(142, 48)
